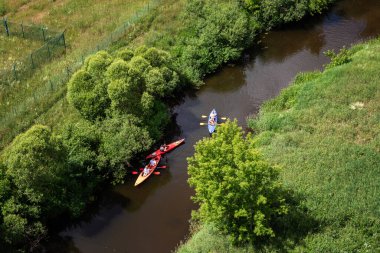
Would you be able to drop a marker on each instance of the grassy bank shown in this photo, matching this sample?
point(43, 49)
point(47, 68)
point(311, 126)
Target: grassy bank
point(324, 132)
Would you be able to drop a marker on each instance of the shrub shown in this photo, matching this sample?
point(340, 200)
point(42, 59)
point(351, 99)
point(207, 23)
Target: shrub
point(236, 189)
point(215, 33)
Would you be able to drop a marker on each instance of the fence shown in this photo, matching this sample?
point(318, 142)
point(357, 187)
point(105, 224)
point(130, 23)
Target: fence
point(22, 112)
point(33, 32)
point(24, 68)
point(54, 46)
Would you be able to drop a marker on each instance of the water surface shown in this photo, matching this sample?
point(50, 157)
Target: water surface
point(154, 217)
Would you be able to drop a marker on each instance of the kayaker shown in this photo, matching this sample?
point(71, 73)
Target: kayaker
point(152, 163)
point(212, 121)
point(146, 171)
point(163, 148)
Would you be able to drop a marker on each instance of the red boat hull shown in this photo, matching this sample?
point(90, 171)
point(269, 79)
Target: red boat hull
point(170, 147)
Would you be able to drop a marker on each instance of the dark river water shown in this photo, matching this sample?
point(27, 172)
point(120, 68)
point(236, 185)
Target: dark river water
point(154, 216)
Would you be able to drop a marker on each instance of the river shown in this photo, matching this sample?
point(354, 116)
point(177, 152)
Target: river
point(154, 217)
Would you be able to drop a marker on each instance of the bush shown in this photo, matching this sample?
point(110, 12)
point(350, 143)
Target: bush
point(215, 33)
point(121, 139)
point(271, 13)
point(236, 189)
point(336, 59)
point(106, 84)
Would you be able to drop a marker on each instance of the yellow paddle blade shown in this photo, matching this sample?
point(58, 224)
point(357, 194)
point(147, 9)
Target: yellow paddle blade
point(202, 124)
point(223, 118)
point(204, 116)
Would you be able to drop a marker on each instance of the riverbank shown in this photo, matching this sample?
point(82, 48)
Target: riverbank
point(198, 63)
point(323, 131)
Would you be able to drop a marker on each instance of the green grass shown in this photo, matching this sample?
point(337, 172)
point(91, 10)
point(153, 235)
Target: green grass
point(25, 101)
point(13, 49)
point(324, 132)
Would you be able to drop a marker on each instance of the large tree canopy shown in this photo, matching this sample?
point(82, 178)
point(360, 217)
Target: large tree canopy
point(128, 82)
point(235, 188)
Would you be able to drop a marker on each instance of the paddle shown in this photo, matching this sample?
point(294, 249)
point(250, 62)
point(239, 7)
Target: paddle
point(160, 167)
point(155, 173)
point(223, 118)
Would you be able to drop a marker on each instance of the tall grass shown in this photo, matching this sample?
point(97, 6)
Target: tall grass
point(13, 49)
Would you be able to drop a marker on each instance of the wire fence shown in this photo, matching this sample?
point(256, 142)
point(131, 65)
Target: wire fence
point(19, 116)
point(33, 32)
point(23, 68)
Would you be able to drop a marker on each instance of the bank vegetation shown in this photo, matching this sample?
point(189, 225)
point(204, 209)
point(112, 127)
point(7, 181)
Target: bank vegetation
point(114, 109)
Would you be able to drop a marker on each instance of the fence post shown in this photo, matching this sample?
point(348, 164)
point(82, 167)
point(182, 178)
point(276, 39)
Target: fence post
point(6, 26)
point(48, 49)
point(64, 41)
point(68, 73)
point(51, 85)
point(14, 71)
point(22, 30)
point(43, 33)
point(31, 58)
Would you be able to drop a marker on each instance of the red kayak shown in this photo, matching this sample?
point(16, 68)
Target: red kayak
point(148, 170)
point(168, 147)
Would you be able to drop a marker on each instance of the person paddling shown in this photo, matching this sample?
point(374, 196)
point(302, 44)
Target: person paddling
point(146, 171)
point(163, 148)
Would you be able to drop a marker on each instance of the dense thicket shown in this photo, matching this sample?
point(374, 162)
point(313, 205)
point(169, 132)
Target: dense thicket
point(271, 13)
point(214, 33)
point(236, 189)
point(45, 175)
point(37, 184)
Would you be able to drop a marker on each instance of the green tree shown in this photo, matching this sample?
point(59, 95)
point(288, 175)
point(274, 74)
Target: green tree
point(216, 32)
point(121, 138)
point(87, 88)
point(37, 164)
point(236, 189)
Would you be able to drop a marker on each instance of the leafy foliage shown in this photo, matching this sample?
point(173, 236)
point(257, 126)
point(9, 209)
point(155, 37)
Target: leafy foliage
point(236, 189)
point(129, 83)
point(216, 32)
point(336, 59)
point(36, 184)
point(87, 89)
point(271, 13)
point(121, 139)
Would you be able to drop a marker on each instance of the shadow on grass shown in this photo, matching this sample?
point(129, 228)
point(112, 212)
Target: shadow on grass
point(291, 228)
